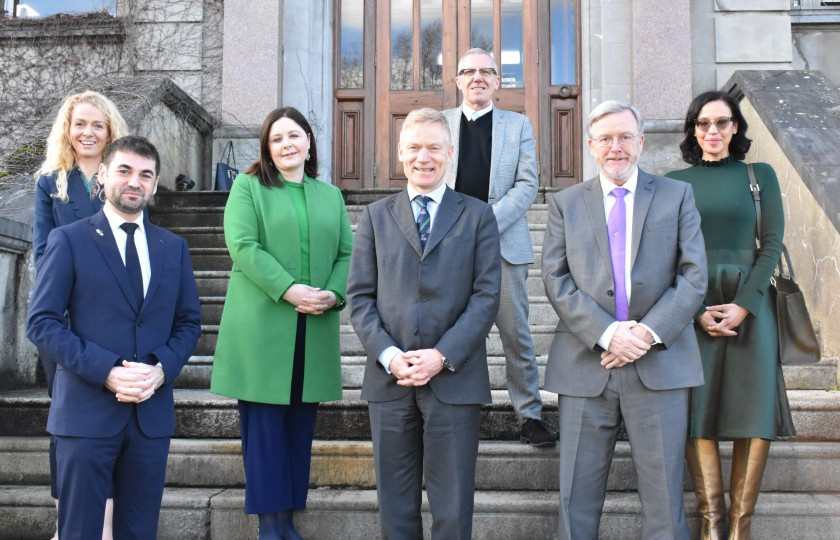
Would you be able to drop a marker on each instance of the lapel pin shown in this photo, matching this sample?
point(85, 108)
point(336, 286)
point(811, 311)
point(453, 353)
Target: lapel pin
point(99, 232)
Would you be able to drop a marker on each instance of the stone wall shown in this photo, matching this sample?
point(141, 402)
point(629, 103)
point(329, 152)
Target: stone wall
point(181, 40)
point(811, 235)
point(43, 60)
point(18, 357)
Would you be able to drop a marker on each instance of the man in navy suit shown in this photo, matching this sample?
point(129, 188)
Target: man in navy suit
point(129, 291)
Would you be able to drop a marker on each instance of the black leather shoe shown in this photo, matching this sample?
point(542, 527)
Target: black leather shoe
point(535, 433)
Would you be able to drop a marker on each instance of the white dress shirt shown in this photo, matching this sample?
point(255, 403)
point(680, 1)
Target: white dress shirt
point(473, 114)
point(609, 201)
point(436, 195)
point(140, 242)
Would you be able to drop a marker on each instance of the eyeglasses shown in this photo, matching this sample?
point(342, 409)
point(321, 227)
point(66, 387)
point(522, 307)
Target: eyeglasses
point(720, 124)
point(623, 140)
point(470, 72)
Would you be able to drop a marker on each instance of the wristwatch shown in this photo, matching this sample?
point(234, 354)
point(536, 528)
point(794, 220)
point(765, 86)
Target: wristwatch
point(446, 363)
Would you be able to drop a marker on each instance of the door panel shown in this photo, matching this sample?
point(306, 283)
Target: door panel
point(409, 60)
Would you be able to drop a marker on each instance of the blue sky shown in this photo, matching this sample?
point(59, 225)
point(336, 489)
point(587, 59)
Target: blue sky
point(51, 7)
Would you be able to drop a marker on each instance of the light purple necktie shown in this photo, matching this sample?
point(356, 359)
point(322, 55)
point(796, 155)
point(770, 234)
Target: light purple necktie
point(617, 231)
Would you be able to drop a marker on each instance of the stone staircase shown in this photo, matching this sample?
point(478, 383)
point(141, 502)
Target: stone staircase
point(516, 484)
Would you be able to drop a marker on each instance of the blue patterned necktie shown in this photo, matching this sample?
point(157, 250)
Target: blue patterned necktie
point(424, 220)
point(132, 262)
point(617, 231)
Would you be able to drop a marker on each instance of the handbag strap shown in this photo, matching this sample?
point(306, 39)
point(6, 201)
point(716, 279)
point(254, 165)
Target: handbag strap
point(756, 195)
point(228, 154)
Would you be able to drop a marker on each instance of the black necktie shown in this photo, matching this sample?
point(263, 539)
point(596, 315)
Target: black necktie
point(132, 262)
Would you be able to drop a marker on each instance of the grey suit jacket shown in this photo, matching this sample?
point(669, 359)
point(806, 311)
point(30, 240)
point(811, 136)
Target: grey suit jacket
point(445, 297)
point(513, 178)
point(668, 276)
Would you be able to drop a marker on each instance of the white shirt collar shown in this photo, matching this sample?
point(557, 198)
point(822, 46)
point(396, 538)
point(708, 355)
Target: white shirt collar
point(436, 194)
point(630, 185)
point(469, 111)
point(115, 220)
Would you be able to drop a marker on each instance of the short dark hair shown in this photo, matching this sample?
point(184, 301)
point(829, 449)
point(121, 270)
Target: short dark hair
point(739, 145)
point(136, 145)
point(264, 168)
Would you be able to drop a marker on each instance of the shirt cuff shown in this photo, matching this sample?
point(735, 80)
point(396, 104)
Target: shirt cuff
point(656, 339)
point(387, 355)
point(606, 337)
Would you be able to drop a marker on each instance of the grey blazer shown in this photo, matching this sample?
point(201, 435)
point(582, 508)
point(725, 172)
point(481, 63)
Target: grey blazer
point(513, 178)
point(445, 297)
point(668, 274)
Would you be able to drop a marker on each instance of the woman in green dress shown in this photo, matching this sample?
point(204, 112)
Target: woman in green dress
point(278, 349)
point(743, 398)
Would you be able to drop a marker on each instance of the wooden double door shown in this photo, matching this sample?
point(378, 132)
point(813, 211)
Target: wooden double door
point(393, 56)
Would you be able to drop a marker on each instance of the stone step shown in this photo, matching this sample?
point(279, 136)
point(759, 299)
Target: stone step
point(502, 466)
point(200, 414)
point(213, 216)
point(350, 344)
point(196, 216)
point(218, 259)
point(215, 283)
point(541, 313)
point(27, 512)
point(212, 236)
point(822, 376)
point(176, 201)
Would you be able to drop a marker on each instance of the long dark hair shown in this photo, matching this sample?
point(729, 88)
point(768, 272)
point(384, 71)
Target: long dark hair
point(264, 168)
point(739, 145)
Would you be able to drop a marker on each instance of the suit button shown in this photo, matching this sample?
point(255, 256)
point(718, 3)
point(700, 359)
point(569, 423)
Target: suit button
point(610, 293)
point(140, 323)
point(416, 332)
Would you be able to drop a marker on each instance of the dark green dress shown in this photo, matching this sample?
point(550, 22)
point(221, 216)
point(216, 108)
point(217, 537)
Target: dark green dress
point(744, 393)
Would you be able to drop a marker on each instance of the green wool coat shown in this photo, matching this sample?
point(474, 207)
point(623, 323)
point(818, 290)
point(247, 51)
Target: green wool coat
point(256, 344)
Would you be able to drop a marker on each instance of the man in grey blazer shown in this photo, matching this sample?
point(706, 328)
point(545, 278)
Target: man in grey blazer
point(624, 266)
point(495, 160)
point(423, 292)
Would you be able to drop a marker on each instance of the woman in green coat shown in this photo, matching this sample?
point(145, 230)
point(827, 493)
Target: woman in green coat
point(278, 348)
point(743, 398)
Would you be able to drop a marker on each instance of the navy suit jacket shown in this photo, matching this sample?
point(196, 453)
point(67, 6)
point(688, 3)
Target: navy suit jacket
point(82, 274)
point(51, 212)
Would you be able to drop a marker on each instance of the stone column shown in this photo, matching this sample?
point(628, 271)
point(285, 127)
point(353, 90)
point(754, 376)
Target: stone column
point(661, 58)
point(308, 70)
point(251, 67)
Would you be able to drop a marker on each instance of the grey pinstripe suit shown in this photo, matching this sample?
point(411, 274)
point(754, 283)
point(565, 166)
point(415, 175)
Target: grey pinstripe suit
point(513, 187)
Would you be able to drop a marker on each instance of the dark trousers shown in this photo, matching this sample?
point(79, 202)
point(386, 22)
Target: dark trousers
point(415, 437)
point(277, 444)
point(130, 463)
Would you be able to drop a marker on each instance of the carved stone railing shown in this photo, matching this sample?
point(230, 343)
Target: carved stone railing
point(794, 123)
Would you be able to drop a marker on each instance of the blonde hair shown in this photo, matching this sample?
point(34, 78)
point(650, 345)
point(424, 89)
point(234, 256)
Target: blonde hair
point(419, 117)
point(60, 158)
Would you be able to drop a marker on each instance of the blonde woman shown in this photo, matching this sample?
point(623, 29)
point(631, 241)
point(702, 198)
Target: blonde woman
point(67, 191)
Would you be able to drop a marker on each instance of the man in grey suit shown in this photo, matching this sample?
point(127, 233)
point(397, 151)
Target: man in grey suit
point(624, 266)
point(423, 292)
point(495, 160)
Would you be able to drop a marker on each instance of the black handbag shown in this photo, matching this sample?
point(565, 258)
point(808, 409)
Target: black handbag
point(797, 341)
point(225, 172)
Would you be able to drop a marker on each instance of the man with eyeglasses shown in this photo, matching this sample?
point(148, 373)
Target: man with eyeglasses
point(495, 160)
point(624, 267)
